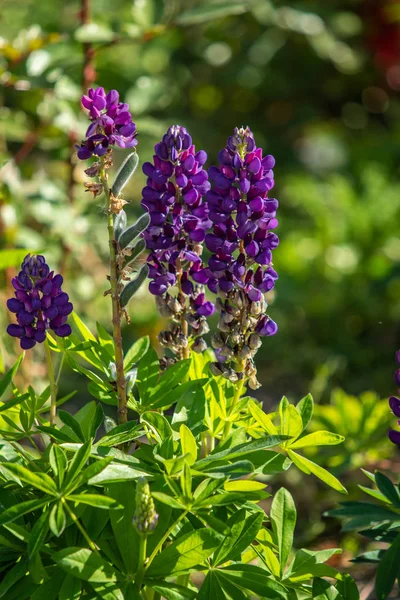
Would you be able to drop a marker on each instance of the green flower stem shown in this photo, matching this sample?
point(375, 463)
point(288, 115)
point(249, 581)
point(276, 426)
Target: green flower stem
point(164, 538)
point(53, 383)
point(141, 562)
point(75, 519)
point(116, 309)
point(236, 397)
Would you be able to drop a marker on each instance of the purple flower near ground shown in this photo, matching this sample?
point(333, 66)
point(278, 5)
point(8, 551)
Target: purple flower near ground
point(241, 243)
point(39, 303)
point(394, 404)
point(111, 124)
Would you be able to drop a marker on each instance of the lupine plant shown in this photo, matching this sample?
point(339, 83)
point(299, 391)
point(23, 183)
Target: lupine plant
point(167, 500)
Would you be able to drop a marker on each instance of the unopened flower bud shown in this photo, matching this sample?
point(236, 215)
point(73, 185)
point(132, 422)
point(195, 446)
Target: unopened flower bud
point(146, 518)
point(113, 371)
point(93, 170)
point(254, 341)
point(109, 424)
point(217, 368)
point(199, 345)
point(244, 353)
point(217, 341)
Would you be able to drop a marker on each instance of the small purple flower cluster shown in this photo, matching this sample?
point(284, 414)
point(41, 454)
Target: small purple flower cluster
point(394, 404)
point(174, 197)
point(39, 303)
point(111, 124)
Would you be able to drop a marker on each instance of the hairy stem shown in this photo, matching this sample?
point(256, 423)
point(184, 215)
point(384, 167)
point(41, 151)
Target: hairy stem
point(53, 383)
point(141, 562)
point(236, 397)
point(116, 309)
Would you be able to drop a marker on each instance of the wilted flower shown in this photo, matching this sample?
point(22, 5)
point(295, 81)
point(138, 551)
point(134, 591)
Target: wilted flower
point(241, 242)
point(111, 124)
point(145, 518)
point(174, 197)
point(39, 303)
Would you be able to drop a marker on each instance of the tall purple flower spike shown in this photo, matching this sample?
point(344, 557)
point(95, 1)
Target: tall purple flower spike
point(174, 197)
point(394, 404)
point(39, 303)
point(111, 124)
point(241, 243)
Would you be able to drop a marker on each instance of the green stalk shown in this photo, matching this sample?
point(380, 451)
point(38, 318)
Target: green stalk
point(75, 519)
point(53, 383)
point(141, 562)
point(164, 538)
point(116, 308)
point(236, 397)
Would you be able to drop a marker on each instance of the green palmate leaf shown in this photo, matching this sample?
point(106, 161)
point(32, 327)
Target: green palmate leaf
point(372, 512)
point(256, 580)
point(174, 376)
point(9, 376)
point(118, 473)
point(388, 570)
point(243, 485)
point(387, 488)
point(126, 536)
point(125, 172)
point(42, 482)
point(132, 287)
point(120, 223)
point(283, 517)
point(90, 417)
point(57, 519)
point(95, 500)
point(305, 561)
point(189, 445)
point(211, 588)
point(58, 435)
point(71, 589)
point(12, 576)
point(347, 587)
point(58, 462)
point(121, 434)
point(322, 590)
point(84, 331)
point(306, 408)
point(307, 466)
point(72, 423)
point(130, 234)
point(158, 424)
point(136, 352)
point(291, 421)
point(172, 591)
point(242, 533)
point(85, 564)
point(240, 450)
point(18, 510)
point(209, 12)
point(184, 554)
point(77, 464)
point(318, 438)
point(148, 374)
point(38, 534)
point(262, 419)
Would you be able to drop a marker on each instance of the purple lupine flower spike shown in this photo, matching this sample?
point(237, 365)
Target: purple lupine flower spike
point(240, 268)
point(111, 124)
point(174, 197)
point(39, 303)
point(394, 404)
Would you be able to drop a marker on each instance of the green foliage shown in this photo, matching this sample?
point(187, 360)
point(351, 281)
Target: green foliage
point(378, 522)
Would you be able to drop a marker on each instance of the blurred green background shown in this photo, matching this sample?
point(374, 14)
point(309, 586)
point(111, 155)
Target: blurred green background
point(318, 82)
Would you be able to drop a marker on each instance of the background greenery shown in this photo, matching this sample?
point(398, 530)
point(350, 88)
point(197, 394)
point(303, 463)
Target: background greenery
point(317, 82)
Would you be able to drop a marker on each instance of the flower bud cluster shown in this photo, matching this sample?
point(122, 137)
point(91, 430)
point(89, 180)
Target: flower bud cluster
point(146, 518)
point(111, 124)
point(39, 303)
point(174, 197)
point(240, 268)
